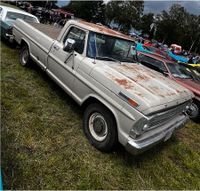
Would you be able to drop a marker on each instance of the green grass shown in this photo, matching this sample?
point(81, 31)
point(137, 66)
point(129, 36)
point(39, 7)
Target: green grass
point(43, 145)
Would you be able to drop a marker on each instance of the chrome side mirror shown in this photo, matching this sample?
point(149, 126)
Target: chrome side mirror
point(69, 45)
point(134, 53)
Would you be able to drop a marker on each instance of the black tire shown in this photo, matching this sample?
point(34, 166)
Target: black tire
point(196, 119)
point(13, 44)
point(110, 140)
point(25, 59)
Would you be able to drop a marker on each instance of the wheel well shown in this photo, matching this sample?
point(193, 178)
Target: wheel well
point(23, 42)
point(197, 102)
point(92, 100)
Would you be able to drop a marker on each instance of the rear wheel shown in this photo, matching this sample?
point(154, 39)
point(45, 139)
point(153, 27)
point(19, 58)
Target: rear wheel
point(100, 127)
point(25, 56)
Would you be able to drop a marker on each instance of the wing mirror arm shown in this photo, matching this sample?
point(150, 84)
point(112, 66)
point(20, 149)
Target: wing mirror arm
point(166, 74)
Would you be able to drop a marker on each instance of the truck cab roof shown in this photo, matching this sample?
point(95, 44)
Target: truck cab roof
point(99, 29)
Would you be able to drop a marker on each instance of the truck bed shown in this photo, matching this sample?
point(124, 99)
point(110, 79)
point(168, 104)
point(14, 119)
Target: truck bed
point(49, 30)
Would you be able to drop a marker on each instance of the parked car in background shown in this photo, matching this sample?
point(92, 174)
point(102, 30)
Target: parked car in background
point(152, 50)
point(140, 47)
point(177, 58)
point(177, 73)
point(177, 49)
point(123, 101)
point(192, 69)
point(8, 16)
point(158, 52)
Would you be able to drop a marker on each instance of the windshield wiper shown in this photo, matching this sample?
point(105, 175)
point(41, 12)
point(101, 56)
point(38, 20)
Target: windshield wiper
point(107, 58)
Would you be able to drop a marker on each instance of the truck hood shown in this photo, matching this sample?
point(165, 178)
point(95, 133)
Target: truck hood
point(151, 90)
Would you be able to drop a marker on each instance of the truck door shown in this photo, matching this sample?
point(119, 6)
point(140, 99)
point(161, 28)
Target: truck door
point(60, 64)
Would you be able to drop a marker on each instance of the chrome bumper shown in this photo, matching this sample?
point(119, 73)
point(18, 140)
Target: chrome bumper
point(151, 138)
point(10, 37)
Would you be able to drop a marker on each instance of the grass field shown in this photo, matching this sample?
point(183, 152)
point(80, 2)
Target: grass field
point(43, 145)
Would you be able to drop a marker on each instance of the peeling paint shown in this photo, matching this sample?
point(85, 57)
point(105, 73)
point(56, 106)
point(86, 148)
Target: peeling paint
point(104, 30)
point(123, 82)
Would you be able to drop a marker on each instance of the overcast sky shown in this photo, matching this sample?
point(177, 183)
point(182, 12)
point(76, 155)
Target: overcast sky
point(158, 6)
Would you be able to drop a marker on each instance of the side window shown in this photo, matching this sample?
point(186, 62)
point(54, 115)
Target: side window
point(152, 63)
point(160, 65)
point(79, 36)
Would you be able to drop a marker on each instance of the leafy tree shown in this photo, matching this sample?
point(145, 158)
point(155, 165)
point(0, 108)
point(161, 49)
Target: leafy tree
point(146, 24)
point(89, 10)
point(179, 26)
point(192, 33)
point(125, 13)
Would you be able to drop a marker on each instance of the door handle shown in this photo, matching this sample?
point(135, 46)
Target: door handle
point(56, 47)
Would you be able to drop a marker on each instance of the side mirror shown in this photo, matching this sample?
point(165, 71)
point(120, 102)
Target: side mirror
point(69, 45)
point(134, 53)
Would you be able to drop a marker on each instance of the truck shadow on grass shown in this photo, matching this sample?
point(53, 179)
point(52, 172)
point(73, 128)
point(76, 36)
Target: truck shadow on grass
point(148, 155)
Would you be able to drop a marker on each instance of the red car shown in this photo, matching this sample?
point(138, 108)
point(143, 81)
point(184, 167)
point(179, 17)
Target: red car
point(177, 73)
point(157, 52)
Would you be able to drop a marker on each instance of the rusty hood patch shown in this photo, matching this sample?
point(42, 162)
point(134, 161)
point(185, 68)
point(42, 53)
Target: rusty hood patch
point(147, 87)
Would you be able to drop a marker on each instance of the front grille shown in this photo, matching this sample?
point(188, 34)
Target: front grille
point(164, 116)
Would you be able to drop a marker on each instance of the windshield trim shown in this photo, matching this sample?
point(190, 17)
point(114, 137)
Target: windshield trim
point(90, 32)
point(175, 75)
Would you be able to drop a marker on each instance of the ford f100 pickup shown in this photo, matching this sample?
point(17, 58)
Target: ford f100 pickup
point(124, 101)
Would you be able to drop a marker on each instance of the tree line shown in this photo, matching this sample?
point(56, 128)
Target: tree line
point(175, 26)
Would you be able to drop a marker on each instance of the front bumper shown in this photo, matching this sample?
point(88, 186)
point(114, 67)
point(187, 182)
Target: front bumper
point(153, 137)
point(10, 37)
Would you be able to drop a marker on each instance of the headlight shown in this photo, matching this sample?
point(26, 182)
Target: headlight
point(139, 128)
point(192, 110)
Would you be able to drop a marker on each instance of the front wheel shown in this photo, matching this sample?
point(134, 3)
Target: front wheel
point(99, 127)
point(194, 112)
point(25, 56)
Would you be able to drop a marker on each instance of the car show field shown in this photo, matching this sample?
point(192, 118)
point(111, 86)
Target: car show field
point(52, 141)
point(43, 145)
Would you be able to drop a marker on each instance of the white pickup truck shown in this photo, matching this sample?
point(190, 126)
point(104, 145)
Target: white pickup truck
point(124, 101)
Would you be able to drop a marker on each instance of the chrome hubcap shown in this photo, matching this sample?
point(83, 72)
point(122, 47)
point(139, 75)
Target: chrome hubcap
point(98, 127)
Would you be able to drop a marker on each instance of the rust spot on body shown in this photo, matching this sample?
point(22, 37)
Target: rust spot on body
point(134, 69)
point(125, 83)
point(120, 81)
point(104, 30)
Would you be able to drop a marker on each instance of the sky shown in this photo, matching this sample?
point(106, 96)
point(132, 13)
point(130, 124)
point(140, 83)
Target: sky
point(158, 6)
point(62, 3)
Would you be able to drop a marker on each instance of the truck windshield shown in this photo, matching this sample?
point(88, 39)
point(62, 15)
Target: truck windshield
point(104, 46)
point(178, 71)
point(12, 16)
